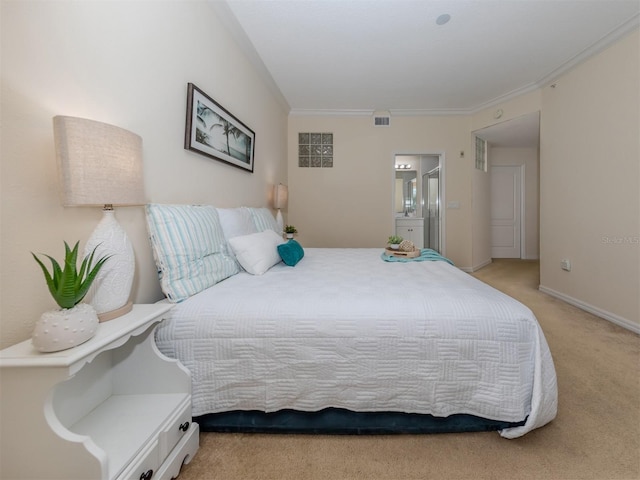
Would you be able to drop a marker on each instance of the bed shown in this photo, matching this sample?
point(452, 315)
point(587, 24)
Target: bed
point(335, 336)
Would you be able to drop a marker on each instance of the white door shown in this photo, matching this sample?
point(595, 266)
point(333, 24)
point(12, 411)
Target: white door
point(506, 198)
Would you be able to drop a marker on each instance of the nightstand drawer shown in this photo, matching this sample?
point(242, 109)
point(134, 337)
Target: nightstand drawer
point(182, 454)
point(145, 465)
point(178, 427)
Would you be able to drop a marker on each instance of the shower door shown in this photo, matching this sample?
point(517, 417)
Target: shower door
point(431, 209)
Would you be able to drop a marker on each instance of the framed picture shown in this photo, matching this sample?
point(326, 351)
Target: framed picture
point(212, 131)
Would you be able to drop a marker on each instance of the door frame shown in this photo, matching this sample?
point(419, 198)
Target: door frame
point(442, 165)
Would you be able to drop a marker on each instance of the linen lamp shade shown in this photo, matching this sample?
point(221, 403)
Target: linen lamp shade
point(98, 164)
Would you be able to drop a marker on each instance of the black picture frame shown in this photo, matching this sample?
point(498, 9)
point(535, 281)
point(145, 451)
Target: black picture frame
point(211, 130)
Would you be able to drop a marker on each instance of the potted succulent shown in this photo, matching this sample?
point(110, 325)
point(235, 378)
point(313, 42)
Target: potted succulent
point(75, 322)
point(394, 242)
point(290, 231)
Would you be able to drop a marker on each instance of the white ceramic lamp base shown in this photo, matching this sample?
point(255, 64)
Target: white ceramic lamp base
point(110, 291)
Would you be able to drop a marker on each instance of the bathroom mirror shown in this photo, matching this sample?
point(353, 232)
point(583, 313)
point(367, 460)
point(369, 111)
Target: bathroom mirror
point(406, 192)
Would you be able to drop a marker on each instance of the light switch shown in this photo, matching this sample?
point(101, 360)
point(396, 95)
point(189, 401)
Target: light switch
point(453, 204)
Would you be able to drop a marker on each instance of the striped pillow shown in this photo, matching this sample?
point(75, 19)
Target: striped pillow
point(263, 220)
point(189, 248)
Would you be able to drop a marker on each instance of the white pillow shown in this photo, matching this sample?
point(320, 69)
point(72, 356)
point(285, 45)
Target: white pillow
point(236, 222)
point(257, 252)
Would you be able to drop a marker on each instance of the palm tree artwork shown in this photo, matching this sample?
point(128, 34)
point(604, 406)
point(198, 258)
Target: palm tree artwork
point(218, 133)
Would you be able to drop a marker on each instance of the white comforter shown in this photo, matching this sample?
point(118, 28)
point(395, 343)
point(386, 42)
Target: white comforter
point(345, 329)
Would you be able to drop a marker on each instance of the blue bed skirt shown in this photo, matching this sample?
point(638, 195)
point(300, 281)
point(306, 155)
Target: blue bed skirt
point(345, 422)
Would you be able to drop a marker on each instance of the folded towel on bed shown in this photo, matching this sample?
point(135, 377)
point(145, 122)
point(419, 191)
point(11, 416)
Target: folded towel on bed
point(426, 254)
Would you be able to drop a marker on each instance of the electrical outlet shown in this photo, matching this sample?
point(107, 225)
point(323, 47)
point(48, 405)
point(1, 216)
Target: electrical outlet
point(565, 264)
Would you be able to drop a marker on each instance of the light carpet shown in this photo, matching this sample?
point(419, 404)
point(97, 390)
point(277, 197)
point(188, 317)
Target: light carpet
point(596, 434)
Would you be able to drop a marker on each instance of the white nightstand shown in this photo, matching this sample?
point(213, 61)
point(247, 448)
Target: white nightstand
point(111, 408)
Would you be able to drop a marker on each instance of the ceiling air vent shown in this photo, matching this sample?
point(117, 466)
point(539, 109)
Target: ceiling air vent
point(381, 119)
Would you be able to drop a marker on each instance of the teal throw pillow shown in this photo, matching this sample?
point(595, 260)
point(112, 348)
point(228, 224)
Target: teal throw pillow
point(291, 252)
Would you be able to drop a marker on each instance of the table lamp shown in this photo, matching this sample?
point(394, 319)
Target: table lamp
point(280, 198)
point(101, 165)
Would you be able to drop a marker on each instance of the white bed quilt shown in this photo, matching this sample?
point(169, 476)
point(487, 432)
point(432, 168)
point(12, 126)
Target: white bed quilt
point(345, 329)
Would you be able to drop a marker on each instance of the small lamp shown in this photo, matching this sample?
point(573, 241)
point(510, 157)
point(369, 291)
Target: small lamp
point(280, 198)
point(101, 165)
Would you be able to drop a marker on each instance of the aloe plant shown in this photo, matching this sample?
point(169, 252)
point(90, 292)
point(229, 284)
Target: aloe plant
point(67, 285)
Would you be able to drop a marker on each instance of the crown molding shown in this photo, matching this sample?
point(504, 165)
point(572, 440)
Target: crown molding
point(227, 17)
point(399, 112)
point(339, 112)
point(504, 98)
point(600, 45)
point(428, 112)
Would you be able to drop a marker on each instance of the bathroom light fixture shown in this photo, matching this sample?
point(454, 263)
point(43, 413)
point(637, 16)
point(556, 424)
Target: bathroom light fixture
point(101, 165)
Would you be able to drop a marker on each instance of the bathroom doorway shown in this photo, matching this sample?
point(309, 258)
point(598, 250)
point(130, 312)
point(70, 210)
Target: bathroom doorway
point(417, 210)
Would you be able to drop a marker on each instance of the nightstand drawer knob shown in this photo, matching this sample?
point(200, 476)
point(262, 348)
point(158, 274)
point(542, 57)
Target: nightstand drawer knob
point(184, 427)
point(147, 475)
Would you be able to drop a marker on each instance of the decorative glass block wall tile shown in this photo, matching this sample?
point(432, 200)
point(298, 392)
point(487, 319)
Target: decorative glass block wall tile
point(481, 154)
point(315, 150)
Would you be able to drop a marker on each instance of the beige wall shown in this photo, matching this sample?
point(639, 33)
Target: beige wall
point(351, 204)
point(125, 63)
point(590, 183)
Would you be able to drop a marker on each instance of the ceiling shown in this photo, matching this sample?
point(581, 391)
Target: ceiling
point(359, 56)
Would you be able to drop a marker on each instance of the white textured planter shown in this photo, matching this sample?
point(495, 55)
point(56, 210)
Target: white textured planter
point(61, 329)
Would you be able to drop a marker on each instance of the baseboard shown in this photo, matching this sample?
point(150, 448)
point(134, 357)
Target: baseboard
point(475, 268)
point(613, 318)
